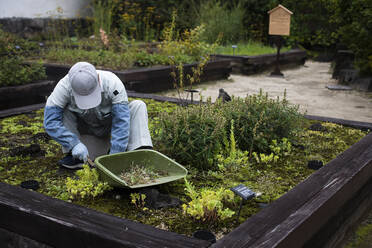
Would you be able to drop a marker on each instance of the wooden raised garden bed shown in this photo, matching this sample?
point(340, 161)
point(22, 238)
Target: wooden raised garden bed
point(315, 213)
point(249, 65)
point(153, 79)
point(14, 98)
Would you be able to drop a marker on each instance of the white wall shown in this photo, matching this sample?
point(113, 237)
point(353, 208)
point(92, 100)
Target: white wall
point(44, 8)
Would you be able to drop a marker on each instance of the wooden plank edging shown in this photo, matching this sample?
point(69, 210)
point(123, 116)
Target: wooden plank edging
point(291, 221)
point(62, 224)
point(298, 215)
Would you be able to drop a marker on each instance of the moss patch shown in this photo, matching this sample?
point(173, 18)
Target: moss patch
point(272, 178)
point(362, 237)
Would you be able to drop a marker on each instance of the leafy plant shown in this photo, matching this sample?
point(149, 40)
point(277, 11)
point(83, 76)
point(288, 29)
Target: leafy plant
point(208, 205)
point(102, 15)
point(192, 135)
point(219, 19)
point(86, 185)
point(258, 120)
point(138, 200)
point(13, 70)
point(234, 158)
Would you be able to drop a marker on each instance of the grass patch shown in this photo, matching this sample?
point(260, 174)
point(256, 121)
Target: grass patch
point(248, 49)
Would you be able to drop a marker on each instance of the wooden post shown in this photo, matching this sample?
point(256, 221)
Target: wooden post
point(280, 22)
point(278, 42)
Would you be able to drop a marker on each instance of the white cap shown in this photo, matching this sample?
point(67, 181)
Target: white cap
point(85, 87)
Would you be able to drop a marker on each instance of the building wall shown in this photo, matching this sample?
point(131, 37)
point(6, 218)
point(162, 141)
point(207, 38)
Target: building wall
point(44, 8)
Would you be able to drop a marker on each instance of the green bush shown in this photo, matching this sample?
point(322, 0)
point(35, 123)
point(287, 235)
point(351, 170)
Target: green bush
point(195, 135)
point(13, 71)
point(313, 22)
point(258, 120)
point(192, 135)
point(219, 19)
point(355, 31)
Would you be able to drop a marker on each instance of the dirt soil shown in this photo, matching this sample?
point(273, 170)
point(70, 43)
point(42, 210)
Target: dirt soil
point(304, 85)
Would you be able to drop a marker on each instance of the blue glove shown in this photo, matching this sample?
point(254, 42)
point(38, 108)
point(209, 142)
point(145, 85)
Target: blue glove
point(80, 151)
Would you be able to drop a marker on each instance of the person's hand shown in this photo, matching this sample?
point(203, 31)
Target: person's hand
point(80, 151)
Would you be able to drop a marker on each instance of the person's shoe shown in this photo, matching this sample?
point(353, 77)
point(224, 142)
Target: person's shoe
point(70, 162)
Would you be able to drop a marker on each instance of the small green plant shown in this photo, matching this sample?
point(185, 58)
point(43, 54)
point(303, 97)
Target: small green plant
point(138, 200)
point(208, 205)
point(235, 158)
point(86, 185)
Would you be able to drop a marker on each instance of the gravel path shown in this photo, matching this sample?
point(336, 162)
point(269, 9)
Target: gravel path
point(304, 85)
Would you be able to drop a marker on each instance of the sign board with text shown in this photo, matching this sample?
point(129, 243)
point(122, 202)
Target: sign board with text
point(280, 21)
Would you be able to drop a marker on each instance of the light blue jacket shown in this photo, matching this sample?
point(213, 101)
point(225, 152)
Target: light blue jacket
point(112, 113)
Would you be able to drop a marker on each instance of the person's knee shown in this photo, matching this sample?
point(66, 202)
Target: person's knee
point(138, 105)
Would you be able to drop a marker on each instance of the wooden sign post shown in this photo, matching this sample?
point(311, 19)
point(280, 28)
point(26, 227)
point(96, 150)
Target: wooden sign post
point(279, 24)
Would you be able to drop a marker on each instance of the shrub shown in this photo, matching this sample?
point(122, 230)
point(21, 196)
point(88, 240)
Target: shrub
point(13, 71)
point(188, 43)
point(355, 31)
point(219, 19)
point(313, 22)
point(192, 135)
point(195, 135)
point(258, 120)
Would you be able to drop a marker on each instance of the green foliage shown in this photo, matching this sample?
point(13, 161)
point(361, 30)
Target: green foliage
point(140, 20)
point(233, 158)
point(355, 31)
point(249, 48)
point(138, 200)
point(208, 205)
point(192, 135)
point(312, 23)
point(195, 135)
point(100, 58)
point(272, 182)
point(102, 15)
point(188, 43)
point(219, 19)
point(86, 185)
point(21, 125)
point(258, 120)
point(13, 71)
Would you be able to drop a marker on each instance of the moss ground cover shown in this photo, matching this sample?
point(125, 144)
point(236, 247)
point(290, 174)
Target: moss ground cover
point(272, 173)
point(362, 236)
